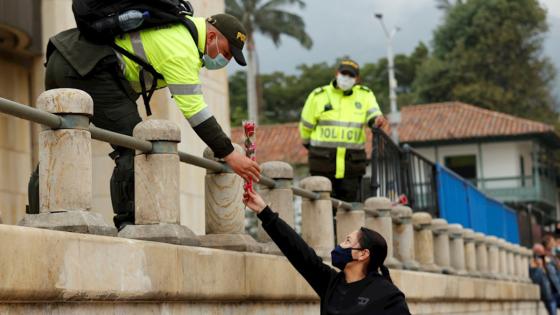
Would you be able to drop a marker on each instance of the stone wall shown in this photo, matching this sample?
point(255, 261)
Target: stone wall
point(51, 272)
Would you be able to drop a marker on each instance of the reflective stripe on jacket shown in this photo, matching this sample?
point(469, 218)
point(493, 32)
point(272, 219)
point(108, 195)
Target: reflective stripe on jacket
point(172, 52)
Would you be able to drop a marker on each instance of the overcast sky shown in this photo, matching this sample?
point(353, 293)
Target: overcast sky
point(347, 27)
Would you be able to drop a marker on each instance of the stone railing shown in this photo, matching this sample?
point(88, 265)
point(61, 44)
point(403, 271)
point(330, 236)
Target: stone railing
point(444, 267)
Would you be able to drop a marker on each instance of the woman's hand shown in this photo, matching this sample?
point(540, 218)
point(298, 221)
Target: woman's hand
point(252, 200)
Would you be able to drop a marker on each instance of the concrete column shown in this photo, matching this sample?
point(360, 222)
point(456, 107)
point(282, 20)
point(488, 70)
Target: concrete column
point(503, 258)
point(493, 257)
point(526, 255)
point(280, 198)
point(457, 248)
point(440, 229)
point(156, 187)
point(403, 237)
point(378, 218)
point(481, 254)
point(225, 211)
point(316, 216)
point(470, 253)
point(510, 262)
point(65, 167)
point(517, 262)
point(348, 222)
point(424, 242)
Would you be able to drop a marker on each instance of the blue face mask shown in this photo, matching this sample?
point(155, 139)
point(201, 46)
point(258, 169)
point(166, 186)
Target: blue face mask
point(217, 62)
point(341, 256)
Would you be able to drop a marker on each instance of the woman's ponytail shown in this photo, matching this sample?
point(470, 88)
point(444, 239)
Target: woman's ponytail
point(385, 273)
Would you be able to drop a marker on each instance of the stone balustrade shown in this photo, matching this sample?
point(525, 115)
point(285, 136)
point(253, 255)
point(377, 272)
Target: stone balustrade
point(416, 241)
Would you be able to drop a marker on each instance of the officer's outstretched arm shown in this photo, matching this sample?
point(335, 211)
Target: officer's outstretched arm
point(300, 255)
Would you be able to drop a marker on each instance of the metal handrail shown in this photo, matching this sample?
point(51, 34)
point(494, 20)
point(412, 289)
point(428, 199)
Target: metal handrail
point(54, 121)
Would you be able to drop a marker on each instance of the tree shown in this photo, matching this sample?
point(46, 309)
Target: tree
point(489, 53)
point(269, 19)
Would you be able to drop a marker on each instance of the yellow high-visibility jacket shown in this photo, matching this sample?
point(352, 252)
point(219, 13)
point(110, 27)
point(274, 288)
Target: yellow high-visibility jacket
point(172, 52)
point(334, 119)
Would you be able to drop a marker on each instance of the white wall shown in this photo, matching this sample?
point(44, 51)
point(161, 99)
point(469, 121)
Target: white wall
point(496, 159)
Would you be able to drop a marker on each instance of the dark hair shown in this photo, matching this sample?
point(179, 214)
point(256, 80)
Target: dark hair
point(377, 247)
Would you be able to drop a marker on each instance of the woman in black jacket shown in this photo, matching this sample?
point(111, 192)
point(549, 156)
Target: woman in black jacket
point(364, 285)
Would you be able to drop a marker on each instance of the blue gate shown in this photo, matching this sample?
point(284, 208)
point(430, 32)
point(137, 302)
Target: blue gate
point(461, 202)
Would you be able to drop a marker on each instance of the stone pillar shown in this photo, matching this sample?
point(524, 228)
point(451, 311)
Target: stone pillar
point(348, 222)
point(493, 257)
point(526, 255)
point(378, 218)
point(424, 242)
point(457, 248)
point(481, 254)
point(440, 229)
point(225, 211)
point(503, 258)
point(517, 262)
point(65, 167)
point(156, 187)
point(317, 216)
point(403, 237)
point(470, 253)
point(510, 261)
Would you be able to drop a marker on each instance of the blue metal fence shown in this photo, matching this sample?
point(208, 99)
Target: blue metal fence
point(461, 202)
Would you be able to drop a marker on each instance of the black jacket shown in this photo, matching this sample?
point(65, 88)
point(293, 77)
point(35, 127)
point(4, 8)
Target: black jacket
point(379, 296)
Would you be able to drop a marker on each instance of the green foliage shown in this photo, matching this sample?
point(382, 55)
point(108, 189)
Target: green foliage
point(489, 53)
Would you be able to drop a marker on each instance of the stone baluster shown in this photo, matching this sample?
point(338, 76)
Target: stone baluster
point(156, 187)
point(403, 237)
point(518, 267)
point(348, 221)
point(503, 259)
point(442, 251)
point(493, 257)
point(424, 242)
point(65, 167)
point(510, 259)
point(224, 210)
point(317, 216)
point(526, 255)
point(457, 248)
point(481, 254)
point(280, 198)
point(378, 218)
point(470, 253)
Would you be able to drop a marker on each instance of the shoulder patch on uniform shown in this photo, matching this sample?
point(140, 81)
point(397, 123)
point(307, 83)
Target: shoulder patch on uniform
point(318, 90)
point(365, 88)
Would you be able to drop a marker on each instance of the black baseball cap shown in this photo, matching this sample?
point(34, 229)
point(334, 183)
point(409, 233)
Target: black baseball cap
point(233, 31)
point(348, 65)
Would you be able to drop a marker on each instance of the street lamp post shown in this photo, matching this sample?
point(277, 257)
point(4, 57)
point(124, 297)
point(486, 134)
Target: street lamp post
point(395, 115)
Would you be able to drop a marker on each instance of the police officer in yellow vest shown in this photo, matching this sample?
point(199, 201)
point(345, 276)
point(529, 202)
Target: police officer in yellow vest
point(332, 127)
point(113, 81)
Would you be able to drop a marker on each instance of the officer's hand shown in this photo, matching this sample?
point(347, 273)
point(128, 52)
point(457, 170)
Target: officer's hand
point(252, 200)
point(243, 166)
point(380, 122)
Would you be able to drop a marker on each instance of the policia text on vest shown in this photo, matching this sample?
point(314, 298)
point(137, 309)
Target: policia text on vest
point(332, 127)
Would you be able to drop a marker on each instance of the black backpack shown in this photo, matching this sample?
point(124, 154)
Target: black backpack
point(161, 12)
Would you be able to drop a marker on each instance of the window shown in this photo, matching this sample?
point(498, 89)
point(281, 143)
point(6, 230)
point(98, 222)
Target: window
point(463, 165)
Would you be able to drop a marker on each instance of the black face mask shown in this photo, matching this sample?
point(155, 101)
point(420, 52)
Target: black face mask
point(340, 257)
